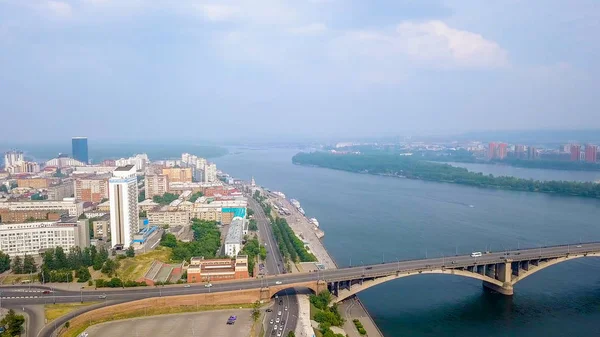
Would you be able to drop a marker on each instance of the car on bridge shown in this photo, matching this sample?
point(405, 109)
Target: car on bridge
point(208, 285)
point(278, 282)
point(476, 254)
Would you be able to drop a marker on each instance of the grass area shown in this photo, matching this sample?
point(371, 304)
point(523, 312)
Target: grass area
point(152, 311)
point(54, 311)
point(313, 311)
point(18, 278)
point(134, 268)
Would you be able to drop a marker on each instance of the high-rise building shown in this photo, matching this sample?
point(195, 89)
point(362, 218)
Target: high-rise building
point(79, 149)
point(156, 184)
point(520, 151)
point(140, 161)
point(501, 151)
point(532, 153)
point(123, 199)
point(575, 152)
point(13, 158)
point(492, 150)
point(178, 174)
point(92, 188)
point(591, 153)
point(210, 173)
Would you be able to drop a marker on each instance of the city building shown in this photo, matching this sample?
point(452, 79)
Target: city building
point(492, 150)
point(520, 151)
point(37, 183)
point(156, 184)
point(12, 158)
point(86, 170)
point(8, 216)
point(64, 161)
point(210, 173)
point(123, 198)
point(67, 205)
point(235, 235)
point(79, 149)
point(532, 153)
point(575, 152)
point(501, 151)
point(140, 161)
point(101, 227)
point(61, 191)
point(178, 174)
point(33, 238)
point(591, 153)
point(201, 270)
point(147, 205)
point(223, 211)
point(164, 216)
point(23, 167)
point(92, 188)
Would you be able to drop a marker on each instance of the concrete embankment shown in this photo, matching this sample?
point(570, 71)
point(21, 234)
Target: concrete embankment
point(351, 308)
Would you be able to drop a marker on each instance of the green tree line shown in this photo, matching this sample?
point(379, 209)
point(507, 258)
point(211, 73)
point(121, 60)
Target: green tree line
point(414, 168)
point(290, 246)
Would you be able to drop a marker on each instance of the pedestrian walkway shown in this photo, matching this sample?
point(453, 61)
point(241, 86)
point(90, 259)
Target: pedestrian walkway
point(303, 327)
point(351, 309)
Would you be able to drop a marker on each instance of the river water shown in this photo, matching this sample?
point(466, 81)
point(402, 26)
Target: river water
point(530, 173)
point(370, 218)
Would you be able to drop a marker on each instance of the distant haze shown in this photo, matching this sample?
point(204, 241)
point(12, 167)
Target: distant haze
point(227, 70)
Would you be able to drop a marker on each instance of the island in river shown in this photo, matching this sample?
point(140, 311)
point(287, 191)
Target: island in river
point(414, 168)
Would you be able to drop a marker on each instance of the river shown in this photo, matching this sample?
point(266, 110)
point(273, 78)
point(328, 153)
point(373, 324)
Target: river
point(370, 218)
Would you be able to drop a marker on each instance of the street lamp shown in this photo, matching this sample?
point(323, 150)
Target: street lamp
point(81, 294)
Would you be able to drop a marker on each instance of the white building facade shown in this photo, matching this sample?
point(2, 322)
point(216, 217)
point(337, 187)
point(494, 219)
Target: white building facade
point(73, 207)
point(33, 237)
point(123, 199)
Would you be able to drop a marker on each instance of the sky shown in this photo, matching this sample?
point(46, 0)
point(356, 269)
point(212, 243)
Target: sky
point(229, 69)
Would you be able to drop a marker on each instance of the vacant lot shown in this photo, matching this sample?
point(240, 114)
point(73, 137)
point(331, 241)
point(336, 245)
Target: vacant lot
point(134, 268)
point(53, 311)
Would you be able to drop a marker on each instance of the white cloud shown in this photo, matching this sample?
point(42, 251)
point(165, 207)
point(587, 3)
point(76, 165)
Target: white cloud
point(59, 8)
point(311, 29)
point(218, 12)
point(431, 44)
point(436, 41)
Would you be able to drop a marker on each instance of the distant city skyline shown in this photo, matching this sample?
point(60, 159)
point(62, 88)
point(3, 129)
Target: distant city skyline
point(267, 69)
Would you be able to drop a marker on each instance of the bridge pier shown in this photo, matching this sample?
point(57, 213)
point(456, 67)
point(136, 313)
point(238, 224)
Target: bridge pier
point(504, 275)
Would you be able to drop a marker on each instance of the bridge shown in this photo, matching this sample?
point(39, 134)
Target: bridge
point(499, 271)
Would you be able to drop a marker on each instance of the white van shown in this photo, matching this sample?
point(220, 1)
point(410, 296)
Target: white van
point(476, 254)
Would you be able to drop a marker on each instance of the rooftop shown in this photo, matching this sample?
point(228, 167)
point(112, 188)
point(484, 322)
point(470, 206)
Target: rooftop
point(125, 168)
point(235, 233)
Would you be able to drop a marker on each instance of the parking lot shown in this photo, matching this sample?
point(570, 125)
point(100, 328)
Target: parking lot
point(210, 323)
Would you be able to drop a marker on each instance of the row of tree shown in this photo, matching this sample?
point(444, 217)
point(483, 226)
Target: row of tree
point(165, 199)
point(327, 316)
point(290, 246)
point(414, 168)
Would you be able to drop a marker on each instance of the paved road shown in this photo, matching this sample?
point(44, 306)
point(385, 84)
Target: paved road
point(210, 323)
point(284, 315)
point(274, 263)
point(16, 294)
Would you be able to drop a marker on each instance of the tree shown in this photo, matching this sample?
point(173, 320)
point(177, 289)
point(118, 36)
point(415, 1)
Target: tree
point(256, 311)
point(17, 265)
point(4, 262)
point(83, 274)
point(291, 334)
point(195, 196)
point(130, 252)
point(142, 196)
point(250, 211)
point(3, 188)
point(13, 323)
point(253, 226)
point(29, 265)
point(60, 258)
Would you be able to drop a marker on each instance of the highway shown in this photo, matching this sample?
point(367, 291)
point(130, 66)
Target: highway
point(20, 294)
point(274, 262)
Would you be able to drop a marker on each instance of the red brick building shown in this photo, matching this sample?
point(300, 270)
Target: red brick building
point(201, 270)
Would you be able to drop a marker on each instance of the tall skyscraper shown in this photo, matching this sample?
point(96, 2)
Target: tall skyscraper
point(501, 151)
point(591, 153)
point(575, 152)
point(123, 197)
point(79, 149)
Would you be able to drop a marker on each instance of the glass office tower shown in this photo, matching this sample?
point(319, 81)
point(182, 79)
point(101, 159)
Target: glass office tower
point(80, 149)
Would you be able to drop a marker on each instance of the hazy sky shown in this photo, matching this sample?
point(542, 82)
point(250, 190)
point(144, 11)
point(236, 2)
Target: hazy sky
point(198, 69)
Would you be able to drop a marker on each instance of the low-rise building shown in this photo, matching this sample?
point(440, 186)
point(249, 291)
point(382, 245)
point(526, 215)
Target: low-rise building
point(164, 216)
point(37, 183)
point(235, 235)
point(72, 207)
point(208, 270)
point(101, 227)
point(92, 188)
point(35, 237)
point(147, 205)
point(61, 191)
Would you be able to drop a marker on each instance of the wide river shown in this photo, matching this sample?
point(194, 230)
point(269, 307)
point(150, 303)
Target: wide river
point(370, 218)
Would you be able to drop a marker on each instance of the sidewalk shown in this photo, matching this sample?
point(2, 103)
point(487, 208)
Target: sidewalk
point(303, 327)
point(351, 309)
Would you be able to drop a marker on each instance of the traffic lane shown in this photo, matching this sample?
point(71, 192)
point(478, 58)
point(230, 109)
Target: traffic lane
point(274, 259)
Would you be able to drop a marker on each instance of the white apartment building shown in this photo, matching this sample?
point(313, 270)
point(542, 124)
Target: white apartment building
point(68, 204)
point(34, 237)
point(233, 240)
point(156, 184)
point(123, 199)
point(12, 158)
point(140, 161)
point(210, 173)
